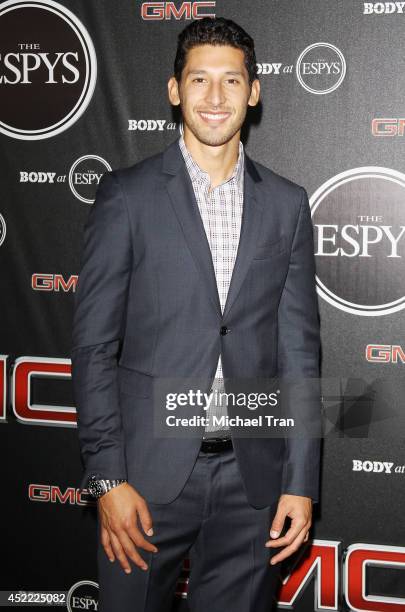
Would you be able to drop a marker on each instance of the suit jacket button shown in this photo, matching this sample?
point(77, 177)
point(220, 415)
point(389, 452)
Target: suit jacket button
point(224, 330)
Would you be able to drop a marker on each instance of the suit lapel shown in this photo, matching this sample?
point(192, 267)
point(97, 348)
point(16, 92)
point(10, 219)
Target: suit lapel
point(186, 208)
point(249, 234)
point(182, 198)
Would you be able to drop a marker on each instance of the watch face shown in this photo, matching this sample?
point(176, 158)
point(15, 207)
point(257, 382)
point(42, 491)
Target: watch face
point(98, 486)
point(94, 487)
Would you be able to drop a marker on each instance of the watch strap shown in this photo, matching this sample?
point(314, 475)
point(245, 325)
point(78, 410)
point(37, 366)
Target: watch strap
point(100, 486)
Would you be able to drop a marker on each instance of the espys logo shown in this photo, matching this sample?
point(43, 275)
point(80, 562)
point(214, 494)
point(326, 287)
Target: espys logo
point(321, 68)
point(48, 69)
point(82, 595)
point(85, 175)
point(359, 242)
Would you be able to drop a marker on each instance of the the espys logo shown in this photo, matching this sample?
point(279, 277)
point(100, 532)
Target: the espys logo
point(359, 241)
point(48, 69)
point(321, 68)
point(82, 595)
point(85, 175)
point(2, 229)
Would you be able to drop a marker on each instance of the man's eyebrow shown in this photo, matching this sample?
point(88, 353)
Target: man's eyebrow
point(238, 72)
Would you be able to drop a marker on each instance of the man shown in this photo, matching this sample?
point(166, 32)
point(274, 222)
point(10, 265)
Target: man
point(197, 262)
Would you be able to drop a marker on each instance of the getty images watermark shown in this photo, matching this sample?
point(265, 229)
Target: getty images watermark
point(249, 407)
point(337, 407)
point(215, 404)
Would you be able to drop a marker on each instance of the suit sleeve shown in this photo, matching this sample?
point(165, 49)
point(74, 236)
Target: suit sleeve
point(98, 323)
point(298, 362)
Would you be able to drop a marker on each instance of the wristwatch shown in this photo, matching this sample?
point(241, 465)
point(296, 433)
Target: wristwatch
point(97, 486)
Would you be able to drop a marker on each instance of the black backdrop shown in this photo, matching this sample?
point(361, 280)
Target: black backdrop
point(82, 90)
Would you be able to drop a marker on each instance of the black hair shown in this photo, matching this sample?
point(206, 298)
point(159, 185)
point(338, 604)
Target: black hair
point(215, 31)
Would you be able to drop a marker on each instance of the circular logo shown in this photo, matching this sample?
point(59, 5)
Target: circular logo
point(82, 595)
point(359, 241)
point(85, 175)
point(321, 68)
point(2, 229)
point(48, 69)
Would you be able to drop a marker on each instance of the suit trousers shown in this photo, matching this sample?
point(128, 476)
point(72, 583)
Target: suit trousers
point(211, 523)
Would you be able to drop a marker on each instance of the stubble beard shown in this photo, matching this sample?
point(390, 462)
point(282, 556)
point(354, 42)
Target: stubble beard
point(210, 137)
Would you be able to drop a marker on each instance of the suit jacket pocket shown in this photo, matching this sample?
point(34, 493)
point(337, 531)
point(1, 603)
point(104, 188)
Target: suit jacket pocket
point(271, 249)
point(133, 382)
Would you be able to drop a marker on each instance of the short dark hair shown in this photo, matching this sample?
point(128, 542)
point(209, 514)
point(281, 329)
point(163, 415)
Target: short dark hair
point(215, 31)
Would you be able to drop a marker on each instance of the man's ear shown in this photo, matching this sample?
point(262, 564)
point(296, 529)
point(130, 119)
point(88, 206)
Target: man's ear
point(173, 91)
point(254, 93)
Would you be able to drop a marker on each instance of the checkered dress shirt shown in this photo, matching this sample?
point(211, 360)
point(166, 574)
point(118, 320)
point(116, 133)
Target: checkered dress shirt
point(221, 212)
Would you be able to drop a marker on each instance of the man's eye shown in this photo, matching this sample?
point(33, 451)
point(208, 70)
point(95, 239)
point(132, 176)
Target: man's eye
point(201, 79)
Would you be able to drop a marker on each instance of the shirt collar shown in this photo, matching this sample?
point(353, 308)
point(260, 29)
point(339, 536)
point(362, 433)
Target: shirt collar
point(196, 174)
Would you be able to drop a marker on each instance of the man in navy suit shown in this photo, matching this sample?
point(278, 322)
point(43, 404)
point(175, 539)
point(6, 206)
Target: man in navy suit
point(198, 262)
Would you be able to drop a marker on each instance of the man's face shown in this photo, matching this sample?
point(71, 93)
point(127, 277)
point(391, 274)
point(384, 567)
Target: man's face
point(214, 93)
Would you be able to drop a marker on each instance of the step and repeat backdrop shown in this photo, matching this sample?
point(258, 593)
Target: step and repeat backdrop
point(83, 91)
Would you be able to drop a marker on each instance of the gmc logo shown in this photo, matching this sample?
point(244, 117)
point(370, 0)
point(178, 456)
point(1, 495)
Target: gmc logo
point(322, 562)
point(53, 282)
point(25, 370)
point(53, 494)
point(166, 10)
point(385, 353)
point(388, 127)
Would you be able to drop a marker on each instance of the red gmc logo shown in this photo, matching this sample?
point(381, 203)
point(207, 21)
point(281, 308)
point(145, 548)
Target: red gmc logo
point(157, 11)
point(25, 370)
point(322, 562)
point(53, 494)
point(385, 353)
point(388, 127)
point(53, 282)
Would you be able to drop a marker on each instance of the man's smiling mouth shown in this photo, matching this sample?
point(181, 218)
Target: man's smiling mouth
point(213, 117)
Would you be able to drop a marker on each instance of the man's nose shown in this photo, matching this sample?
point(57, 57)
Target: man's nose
point(215, 94)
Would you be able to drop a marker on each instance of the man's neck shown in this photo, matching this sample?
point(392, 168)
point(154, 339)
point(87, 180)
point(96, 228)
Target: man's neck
point(218, 161)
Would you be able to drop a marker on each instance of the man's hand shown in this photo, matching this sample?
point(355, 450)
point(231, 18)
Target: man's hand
point(299, 509)
point(120, 536)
